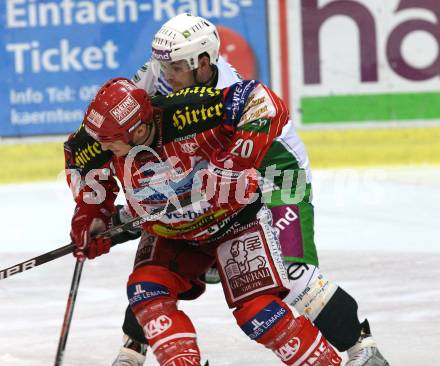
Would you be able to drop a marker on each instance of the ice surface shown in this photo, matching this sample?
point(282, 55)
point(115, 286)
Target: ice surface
point(377, 232)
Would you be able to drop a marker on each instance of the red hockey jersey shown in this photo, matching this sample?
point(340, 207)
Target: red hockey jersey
point(224, 131)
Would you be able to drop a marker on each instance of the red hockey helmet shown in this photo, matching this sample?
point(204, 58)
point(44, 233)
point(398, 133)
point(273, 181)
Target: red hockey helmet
point(117, 109)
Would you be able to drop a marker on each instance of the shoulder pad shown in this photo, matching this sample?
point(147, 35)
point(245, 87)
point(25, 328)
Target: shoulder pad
point(190, 110)
point(83, 153)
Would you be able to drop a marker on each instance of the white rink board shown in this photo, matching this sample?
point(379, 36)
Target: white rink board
point(363, 48)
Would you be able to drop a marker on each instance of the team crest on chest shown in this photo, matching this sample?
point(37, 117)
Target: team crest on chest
point(189, 147)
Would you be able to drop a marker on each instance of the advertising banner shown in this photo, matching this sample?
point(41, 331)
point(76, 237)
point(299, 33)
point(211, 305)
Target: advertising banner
point(54, 54)
point(365, 61)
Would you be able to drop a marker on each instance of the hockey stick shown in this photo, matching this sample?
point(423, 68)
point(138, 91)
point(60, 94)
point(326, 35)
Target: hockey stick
point(69, 311)
point(36, 261)
point(62, 251)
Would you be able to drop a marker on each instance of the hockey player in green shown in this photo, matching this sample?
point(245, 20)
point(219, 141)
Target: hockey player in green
point(289, 186)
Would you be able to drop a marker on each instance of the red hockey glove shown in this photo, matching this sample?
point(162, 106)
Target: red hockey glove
point(228, 182)
point(87, 222)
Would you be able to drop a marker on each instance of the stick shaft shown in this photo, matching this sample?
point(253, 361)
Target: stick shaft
point(62, 251)
point(69, 312)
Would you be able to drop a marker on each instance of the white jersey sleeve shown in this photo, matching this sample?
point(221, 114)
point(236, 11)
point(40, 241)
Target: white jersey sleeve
point(146, 78)
point(227, 75)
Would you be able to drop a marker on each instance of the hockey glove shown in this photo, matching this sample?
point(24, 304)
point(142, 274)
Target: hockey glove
point(87, 222)
point(121, 216)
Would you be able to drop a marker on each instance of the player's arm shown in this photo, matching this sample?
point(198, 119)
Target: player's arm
point(94, 190)
point(146, 77)
point(255, 116)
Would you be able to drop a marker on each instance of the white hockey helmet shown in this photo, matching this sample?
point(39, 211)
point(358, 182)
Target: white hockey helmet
point(185, 37)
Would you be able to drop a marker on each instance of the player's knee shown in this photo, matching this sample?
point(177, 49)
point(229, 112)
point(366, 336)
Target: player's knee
point(169, 331)
point(310, 293)
point(331, 309)
point(269, 321)
point(147, 284)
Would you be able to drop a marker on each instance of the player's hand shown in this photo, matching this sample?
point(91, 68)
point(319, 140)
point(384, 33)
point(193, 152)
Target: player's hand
point(226, 181)
point(87, 222)
point(121, 216)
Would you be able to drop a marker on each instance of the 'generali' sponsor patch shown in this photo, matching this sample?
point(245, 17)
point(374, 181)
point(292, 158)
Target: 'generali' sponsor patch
point(246, 265)
point(125, 109)
point(95, 118)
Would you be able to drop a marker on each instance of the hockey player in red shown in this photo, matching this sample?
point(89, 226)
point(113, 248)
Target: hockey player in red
point(185, 53)
point(197, 140)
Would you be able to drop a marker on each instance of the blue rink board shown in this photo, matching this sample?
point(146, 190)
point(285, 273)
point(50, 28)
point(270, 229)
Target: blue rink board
point(55, 54)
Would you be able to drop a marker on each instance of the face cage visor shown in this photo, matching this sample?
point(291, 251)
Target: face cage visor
point(169, 68)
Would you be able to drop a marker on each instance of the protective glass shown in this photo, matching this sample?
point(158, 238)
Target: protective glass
point(172, 69)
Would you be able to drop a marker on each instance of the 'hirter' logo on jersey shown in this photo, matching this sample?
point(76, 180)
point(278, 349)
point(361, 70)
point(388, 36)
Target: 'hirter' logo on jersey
point(184, 118)
point(125, 109)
